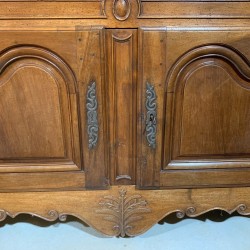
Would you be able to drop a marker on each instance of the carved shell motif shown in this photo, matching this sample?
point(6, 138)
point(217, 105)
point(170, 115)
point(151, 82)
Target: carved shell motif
point(121, 9)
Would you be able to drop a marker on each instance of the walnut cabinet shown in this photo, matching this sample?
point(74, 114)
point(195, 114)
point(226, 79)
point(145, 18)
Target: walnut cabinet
point(121, 112)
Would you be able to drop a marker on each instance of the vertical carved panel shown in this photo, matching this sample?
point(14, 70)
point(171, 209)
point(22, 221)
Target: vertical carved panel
point(122, 97)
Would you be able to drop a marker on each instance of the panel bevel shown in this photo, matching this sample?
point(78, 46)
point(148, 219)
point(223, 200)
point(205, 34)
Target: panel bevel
point(58, 88)
point(211, 82)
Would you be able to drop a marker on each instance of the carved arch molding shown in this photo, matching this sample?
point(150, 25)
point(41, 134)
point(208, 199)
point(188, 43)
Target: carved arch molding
point(13, 54)
point(224, 52)
point(56, 89)
point(184, 84)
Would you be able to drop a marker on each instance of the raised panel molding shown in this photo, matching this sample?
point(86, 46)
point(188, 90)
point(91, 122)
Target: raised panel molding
point(57, 88)
point(224, 101)
point(215, 78)
point(211, 56)
point(122, 104)
point(19, 82)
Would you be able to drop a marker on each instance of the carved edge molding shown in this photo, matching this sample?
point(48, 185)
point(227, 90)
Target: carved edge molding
point(191, 211)
point(151, 117)
point(139, 4)
point(52, 215)
point(92, 115)
point(123, 211)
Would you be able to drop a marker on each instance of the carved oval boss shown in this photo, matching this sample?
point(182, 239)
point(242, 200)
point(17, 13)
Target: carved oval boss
point(121, 9)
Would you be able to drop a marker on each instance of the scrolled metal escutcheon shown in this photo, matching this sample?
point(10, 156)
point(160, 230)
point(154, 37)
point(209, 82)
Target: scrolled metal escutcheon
point(151, 119)
point(92, 115)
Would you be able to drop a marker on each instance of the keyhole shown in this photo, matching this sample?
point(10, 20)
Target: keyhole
point(152, 119)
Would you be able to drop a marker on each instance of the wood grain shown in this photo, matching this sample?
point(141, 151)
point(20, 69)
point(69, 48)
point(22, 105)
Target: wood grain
point(39, 105)
point(122, 62)
point(160, 203)
point(223, 102)
point(91, 68)
point(190, 9)
point(38, 10)
point(152, 69)
point(216, 150)
point(194, 54)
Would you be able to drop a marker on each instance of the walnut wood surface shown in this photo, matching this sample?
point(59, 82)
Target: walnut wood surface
point(202, 153)
point(195, 55)
point(144, 208)
point(121, 75)
point(91, 67)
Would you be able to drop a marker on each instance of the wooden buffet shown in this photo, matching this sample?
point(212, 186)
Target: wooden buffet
point(120, 112)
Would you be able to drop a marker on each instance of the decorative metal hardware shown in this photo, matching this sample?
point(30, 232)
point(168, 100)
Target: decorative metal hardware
point(151, 121)
point(123, 211)
point(123, 177)
point(92, 115)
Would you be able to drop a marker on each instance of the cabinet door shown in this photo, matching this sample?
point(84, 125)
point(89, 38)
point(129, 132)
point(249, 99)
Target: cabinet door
point(42, 119)
point(195, 92)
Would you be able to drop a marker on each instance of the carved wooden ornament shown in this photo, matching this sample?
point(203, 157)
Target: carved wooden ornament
point(123, 211)
point(121, 9)
point(192, 212)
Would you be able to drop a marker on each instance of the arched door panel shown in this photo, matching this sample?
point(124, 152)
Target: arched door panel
point(208, 134)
